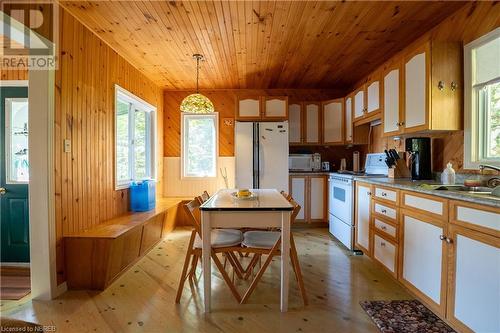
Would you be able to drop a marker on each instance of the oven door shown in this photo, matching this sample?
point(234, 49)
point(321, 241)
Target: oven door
point(341, 200)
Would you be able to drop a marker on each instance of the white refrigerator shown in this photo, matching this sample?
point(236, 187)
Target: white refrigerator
point(261, 153)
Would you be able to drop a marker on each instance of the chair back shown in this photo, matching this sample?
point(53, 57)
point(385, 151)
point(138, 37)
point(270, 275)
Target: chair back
point(192, 210)
point(205, 196)
point(286, 195)
point(296, 209)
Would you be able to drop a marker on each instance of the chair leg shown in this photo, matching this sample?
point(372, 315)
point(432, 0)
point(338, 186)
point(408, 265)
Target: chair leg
point(251, 265)
point(234, 263)
point(194, 264)
point(257, 278)
point(298, 272)
point(185, 268)
point(226, 278)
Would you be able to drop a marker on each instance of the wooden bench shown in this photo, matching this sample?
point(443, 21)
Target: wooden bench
point(95, 257)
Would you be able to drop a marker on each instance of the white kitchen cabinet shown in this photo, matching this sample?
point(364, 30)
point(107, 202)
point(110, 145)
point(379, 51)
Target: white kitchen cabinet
point(298, 192)
point(363, 205)
point(312, 122)
point(385, 252)
point(333, 121)
point(275, 108)
point(248, 108)
point(424, 258)
point(373, 97)
point(317, 200)
point(359, 103)
point(415, 90)
point(391, 113)
point(348, 118)
point(474, 288)
point(295, 122)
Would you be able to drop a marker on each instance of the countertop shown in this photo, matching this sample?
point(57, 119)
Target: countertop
point(310, 173)
point(406, 184)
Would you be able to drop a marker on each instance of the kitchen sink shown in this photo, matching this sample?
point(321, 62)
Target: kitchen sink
point(466, 189)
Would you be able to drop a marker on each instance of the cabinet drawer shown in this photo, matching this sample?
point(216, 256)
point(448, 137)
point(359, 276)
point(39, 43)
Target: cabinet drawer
point(385, 227)
point(385, 253)
point(385, 210)
point(386, 194)
point(435, 207)
point(481, 218)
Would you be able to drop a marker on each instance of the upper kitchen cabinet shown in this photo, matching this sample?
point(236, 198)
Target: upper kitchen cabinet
point(373, 95)
point(275, 108)
point(248, 108)
point(333, 121)
point(359, 103)
point(295, 123)
point(312, 118)
point(432, 87)
point(348, 101)
point(391, 91)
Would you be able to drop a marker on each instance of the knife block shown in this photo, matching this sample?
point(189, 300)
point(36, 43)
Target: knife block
point(400, 170)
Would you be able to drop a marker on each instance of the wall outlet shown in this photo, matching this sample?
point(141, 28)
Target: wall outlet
point(67, 146)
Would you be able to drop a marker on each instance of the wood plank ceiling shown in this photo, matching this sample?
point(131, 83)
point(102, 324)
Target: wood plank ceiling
point(259, 44)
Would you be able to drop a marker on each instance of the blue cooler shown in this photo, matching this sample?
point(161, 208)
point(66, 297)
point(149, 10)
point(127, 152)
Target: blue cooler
point(142, 196)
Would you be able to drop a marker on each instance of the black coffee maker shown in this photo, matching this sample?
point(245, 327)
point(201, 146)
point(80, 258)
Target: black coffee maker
point(419, 150)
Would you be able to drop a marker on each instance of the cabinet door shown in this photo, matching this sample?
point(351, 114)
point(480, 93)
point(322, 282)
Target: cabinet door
point(333, 120)
point(391, 102)
point(363, 202)
point(312, 111)
point(295, 122)
point(415, 83)
point(359, 103)
point(248, 108)
point(474, 275)
point(373, 97)
point(424, 258)
point(348, 119)
point(275, 108)
point(317, 199)
point(298, 191)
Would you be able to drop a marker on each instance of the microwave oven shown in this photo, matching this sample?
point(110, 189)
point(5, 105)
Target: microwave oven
point(300, 162)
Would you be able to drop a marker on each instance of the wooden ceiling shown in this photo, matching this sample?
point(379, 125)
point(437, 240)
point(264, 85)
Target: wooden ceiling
point(259, 44)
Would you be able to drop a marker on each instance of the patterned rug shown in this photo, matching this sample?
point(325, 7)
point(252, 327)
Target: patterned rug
point(404, 316)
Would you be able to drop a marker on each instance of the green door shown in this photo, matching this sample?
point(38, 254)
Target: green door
point(14, 174)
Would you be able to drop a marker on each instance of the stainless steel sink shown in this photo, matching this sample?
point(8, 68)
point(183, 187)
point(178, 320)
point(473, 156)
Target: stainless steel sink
point(466, 189)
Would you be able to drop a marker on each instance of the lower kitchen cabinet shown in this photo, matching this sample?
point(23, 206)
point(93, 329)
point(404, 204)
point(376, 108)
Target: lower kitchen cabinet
point(473, 276)
point(423, 258)
point(310, 192)
point(362, 217)
point(385, 252)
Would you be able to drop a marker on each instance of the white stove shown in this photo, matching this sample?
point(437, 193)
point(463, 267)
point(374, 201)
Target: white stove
point(341, 198)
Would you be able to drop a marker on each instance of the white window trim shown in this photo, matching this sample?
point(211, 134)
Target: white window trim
point(8, 154)
point(216, 116)
point(471, 115)
point(137, 101)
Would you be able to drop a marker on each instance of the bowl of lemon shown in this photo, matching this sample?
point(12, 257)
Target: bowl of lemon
point(243, 194)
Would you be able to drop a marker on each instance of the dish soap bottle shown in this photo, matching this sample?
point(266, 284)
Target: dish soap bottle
point(448, 175)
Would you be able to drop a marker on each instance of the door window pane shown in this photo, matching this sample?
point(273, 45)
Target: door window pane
point(200, 145)
point(16, 123)
point(122, 141)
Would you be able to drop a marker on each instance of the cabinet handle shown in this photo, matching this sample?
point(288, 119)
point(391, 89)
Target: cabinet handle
point(442, 237)
point(383, 211)
point(453, 86)
point(384, 194)
point(441, 85)
point(382, 244)
point(449, 240)
point(383, 227)
point(402, 123)
point(368, 193)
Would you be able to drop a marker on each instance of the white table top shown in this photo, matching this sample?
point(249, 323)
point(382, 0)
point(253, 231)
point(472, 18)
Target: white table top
point(265, 199)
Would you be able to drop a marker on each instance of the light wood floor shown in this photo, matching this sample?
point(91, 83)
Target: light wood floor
point(142, 300)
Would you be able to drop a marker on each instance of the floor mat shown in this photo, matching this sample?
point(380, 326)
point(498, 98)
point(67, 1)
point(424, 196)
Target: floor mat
point(404, 316)
point(14, 282)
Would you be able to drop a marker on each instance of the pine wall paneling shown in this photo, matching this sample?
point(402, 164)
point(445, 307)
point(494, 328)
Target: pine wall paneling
point(85, 89)
point(467, 24)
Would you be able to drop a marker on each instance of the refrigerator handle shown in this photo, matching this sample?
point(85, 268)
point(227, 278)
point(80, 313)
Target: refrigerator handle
point(261, 160)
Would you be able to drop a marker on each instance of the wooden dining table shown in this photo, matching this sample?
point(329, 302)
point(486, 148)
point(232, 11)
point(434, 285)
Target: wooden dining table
point(266, 209)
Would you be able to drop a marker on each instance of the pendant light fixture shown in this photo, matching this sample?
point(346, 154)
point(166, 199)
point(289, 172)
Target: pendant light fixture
point(197, 103)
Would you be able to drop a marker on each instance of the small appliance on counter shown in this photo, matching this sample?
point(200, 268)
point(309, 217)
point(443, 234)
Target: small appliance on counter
point(316, 166)
point(325, 166)
point(419, 151)
point(300, 162)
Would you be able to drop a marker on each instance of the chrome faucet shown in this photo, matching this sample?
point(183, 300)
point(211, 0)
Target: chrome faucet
point(493, 181)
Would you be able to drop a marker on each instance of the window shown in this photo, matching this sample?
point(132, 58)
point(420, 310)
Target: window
point(135, 139)
point(16, 127)
point(199, 144)
point(482, 101)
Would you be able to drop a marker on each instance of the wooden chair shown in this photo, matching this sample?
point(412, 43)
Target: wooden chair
point(204, 196)
point(268, 243)
point(224, 241)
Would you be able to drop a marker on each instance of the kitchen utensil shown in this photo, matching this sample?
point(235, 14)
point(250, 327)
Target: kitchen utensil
point(394, 154)
point(343, 164)
point(389, 159)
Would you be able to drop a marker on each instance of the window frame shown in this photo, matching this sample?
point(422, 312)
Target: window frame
point(473, 122)
point(136, 103)
point(215, 116)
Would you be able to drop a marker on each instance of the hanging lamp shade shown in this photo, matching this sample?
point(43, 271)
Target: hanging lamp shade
point(197, 103)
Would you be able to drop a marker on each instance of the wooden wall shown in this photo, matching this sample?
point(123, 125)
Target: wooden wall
point(14, 75)
point(224, 103)
point(467, 24)
point(85, 87)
